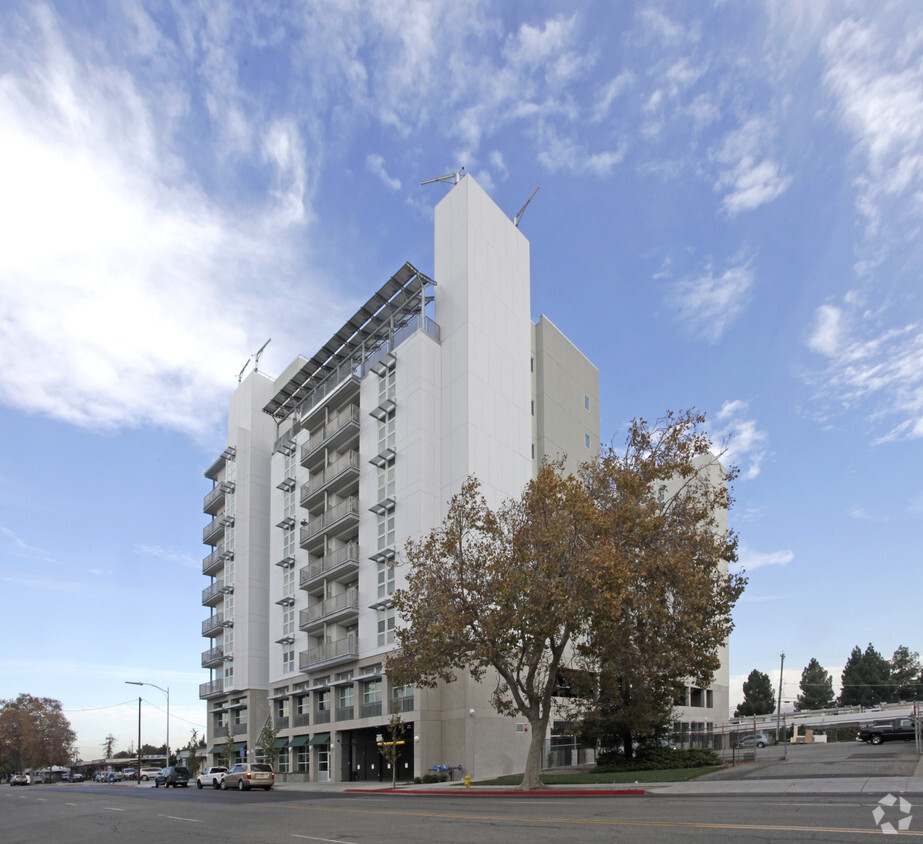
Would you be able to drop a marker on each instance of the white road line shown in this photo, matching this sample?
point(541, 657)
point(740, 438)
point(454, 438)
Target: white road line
point(112, 809)
point(175, 818)
point(328, 840)
point(70, 804)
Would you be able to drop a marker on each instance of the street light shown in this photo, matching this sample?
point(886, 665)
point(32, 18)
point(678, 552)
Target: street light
point(166, 691)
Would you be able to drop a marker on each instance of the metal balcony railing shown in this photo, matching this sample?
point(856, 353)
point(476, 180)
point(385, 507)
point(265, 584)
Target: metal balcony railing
point(348, 461)
point(212, 623)
point(212, 655)
point(212, 687)
point(348, 554)
point(348, 600)
point(340, 649)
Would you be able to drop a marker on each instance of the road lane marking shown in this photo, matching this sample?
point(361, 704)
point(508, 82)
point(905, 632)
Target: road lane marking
point(113, 809)
point(175, 818)
point(599, 822)
point(327, 840)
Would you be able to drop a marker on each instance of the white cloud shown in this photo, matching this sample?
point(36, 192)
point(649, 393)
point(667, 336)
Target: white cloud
point(745, 445)
point(749, 176)
point(126, 294)
point(827, 336)
point(376, 165)
point(750, 560)
point(710, 302)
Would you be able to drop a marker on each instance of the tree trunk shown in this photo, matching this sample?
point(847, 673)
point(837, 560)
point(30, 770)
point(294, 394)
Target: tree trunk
point(531, 778)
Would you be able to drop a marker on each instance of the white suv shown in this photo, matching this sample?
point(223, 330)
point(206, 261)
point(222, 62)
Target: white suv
point(211, 776)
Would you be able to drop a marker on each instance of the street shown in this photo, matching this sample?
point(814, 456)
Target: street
point(111, 813)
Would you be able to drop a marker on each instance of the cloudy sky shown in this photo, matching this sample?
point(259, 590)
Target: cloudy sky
point(729, 218)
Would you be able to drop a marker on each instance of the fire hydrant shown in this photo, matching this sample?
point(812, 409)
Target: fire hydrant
point(467, 780)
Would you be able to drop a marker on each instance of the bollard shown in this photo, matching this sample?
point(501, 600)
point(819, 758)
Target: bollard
point(467, 780)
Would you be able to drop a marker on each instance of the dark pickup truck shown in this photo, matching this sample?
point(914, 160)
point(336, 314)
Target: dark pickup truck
point(890, 730)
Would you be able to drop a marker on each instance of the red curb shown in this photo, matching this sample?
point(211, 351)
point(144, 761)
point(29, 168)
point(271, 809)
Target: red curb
point(626, 792)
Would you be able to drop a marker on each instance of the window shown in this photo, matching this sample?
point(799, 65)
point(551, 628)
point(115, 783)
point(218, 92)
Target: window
point(385, 578)
point(533, 451)
point(386, 480)
point(288, 658)
point(282, 760)
point(586, 402)
point(533, 407)
point(288, 584)
point(282, 708)
point(371, 691)
point(345, 697)
point(221, 721)
point(323, 700)
point(288, 542)
point(302, 763)
point(302, 705)
point(386, 432)
point(240, 716)
point(709, 699)
point(288, 504)
point(586, 440)
point(386, 627)
point(387, 384)
point(386, 529)
point(288, 620)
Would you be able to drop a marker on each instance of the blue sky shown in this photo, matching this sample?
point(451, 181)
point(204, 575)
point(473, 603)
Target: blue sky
point(729, 218)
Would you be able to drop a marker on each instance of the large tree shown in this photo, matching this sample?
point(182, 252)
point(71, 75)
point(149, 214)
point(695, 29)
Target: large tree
point(816, 688)
point(759, 697)
point(546, 582)
point(34, 732)
point(659, 574)
point(865, 678)
point(906, 674)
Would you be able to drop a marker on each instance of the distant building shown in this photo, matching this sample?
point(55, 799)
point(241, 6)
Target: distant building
point(330, 467)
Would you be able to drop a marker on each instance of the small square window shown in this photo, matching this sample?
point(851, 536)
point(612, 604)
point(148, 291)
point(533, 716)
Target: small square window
point(586, 440)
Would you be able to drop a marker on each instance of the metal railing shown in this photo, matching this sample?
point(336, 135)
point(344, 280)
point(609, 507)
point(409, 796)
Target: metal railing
point(348, 600)
point(345, 647)
point(350, 460)
point(336, 423)
point(347, 553)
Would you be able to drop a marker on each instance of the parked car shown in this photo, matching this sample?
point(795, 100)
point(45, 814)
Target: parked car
point(20, 779)
point(113, 776)
point(249, 775)
point(101, 776)
point(211, 776)
point(76, 778)
point(891, 730)
point(174, 775)
point(129, 774)
point(149, 773)
point(759, 739)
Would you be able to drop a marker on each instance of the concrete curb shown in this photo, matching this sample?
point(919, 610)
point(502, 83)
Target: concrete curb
point(482, 792)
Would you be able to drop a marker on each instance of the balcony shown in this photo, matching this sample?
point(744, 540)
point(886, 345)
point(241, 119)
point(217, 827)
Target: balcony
point(213, 563)
point(402, 703)
point(340, 565)
point(213, 624)
point(214, 593)
point(213, 658)
point(215, 499)
point(330, 653)
point(281, 722)
point(214, 530)
point(339, 520)
point(337, 431)
point(322, 717)
point(214, 687)
point(336, 477)
point(302, 719)
point(339, 608)
point(346, 713)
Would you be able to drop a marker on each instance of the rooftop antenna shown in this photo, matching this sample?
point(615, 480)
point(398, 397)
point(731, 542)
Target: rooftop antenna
point(522, 210)
point(256, 357)
point(240, 375)
point(454, 178)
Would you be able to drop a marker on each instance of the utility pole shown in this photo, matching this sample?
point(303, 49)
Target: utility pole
point(138, 780)
point(779, 708)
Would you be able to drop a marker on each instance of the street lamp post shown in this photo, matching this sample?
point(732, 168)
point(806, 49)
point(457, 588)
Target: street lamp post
point(166, 691)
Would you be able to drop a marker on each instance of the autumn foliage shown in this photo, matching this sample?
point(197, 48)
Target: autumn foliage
point(620, 572)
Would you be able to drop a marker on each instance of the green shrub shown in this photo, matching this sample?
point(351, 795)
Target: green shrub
point(659, 759)
point(427, 779)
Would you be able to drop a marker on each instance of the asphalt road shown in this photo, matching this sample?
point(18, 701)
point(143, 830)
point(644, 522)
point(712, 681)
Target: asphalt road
point(102, 813)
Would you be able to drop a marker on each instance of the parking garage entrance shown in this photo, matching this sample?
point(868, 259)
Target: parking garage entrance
point(362, 759)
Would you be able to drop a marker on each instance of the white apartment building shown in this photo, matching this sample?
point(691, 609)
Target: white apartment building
point(330, 467)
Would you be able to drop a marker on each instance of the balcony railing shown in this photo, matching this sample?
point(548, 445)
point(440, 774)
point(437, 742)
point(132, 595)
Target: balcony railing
point(213, 592)
point(346, 713)
point(345, 603)
point(217, 495)
point(348, 461)
point(402, 704)
point(212, 656)
point(317, 524)
point(345, 648)
point(347, 556)
point(282, 723)
point(213, 687)
point(349, 415)
point(370, 710)
point(213, 562)
point(212, 624)
point(214, 530)
point(239, 729)
point(322, 717)
point(302, 720)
